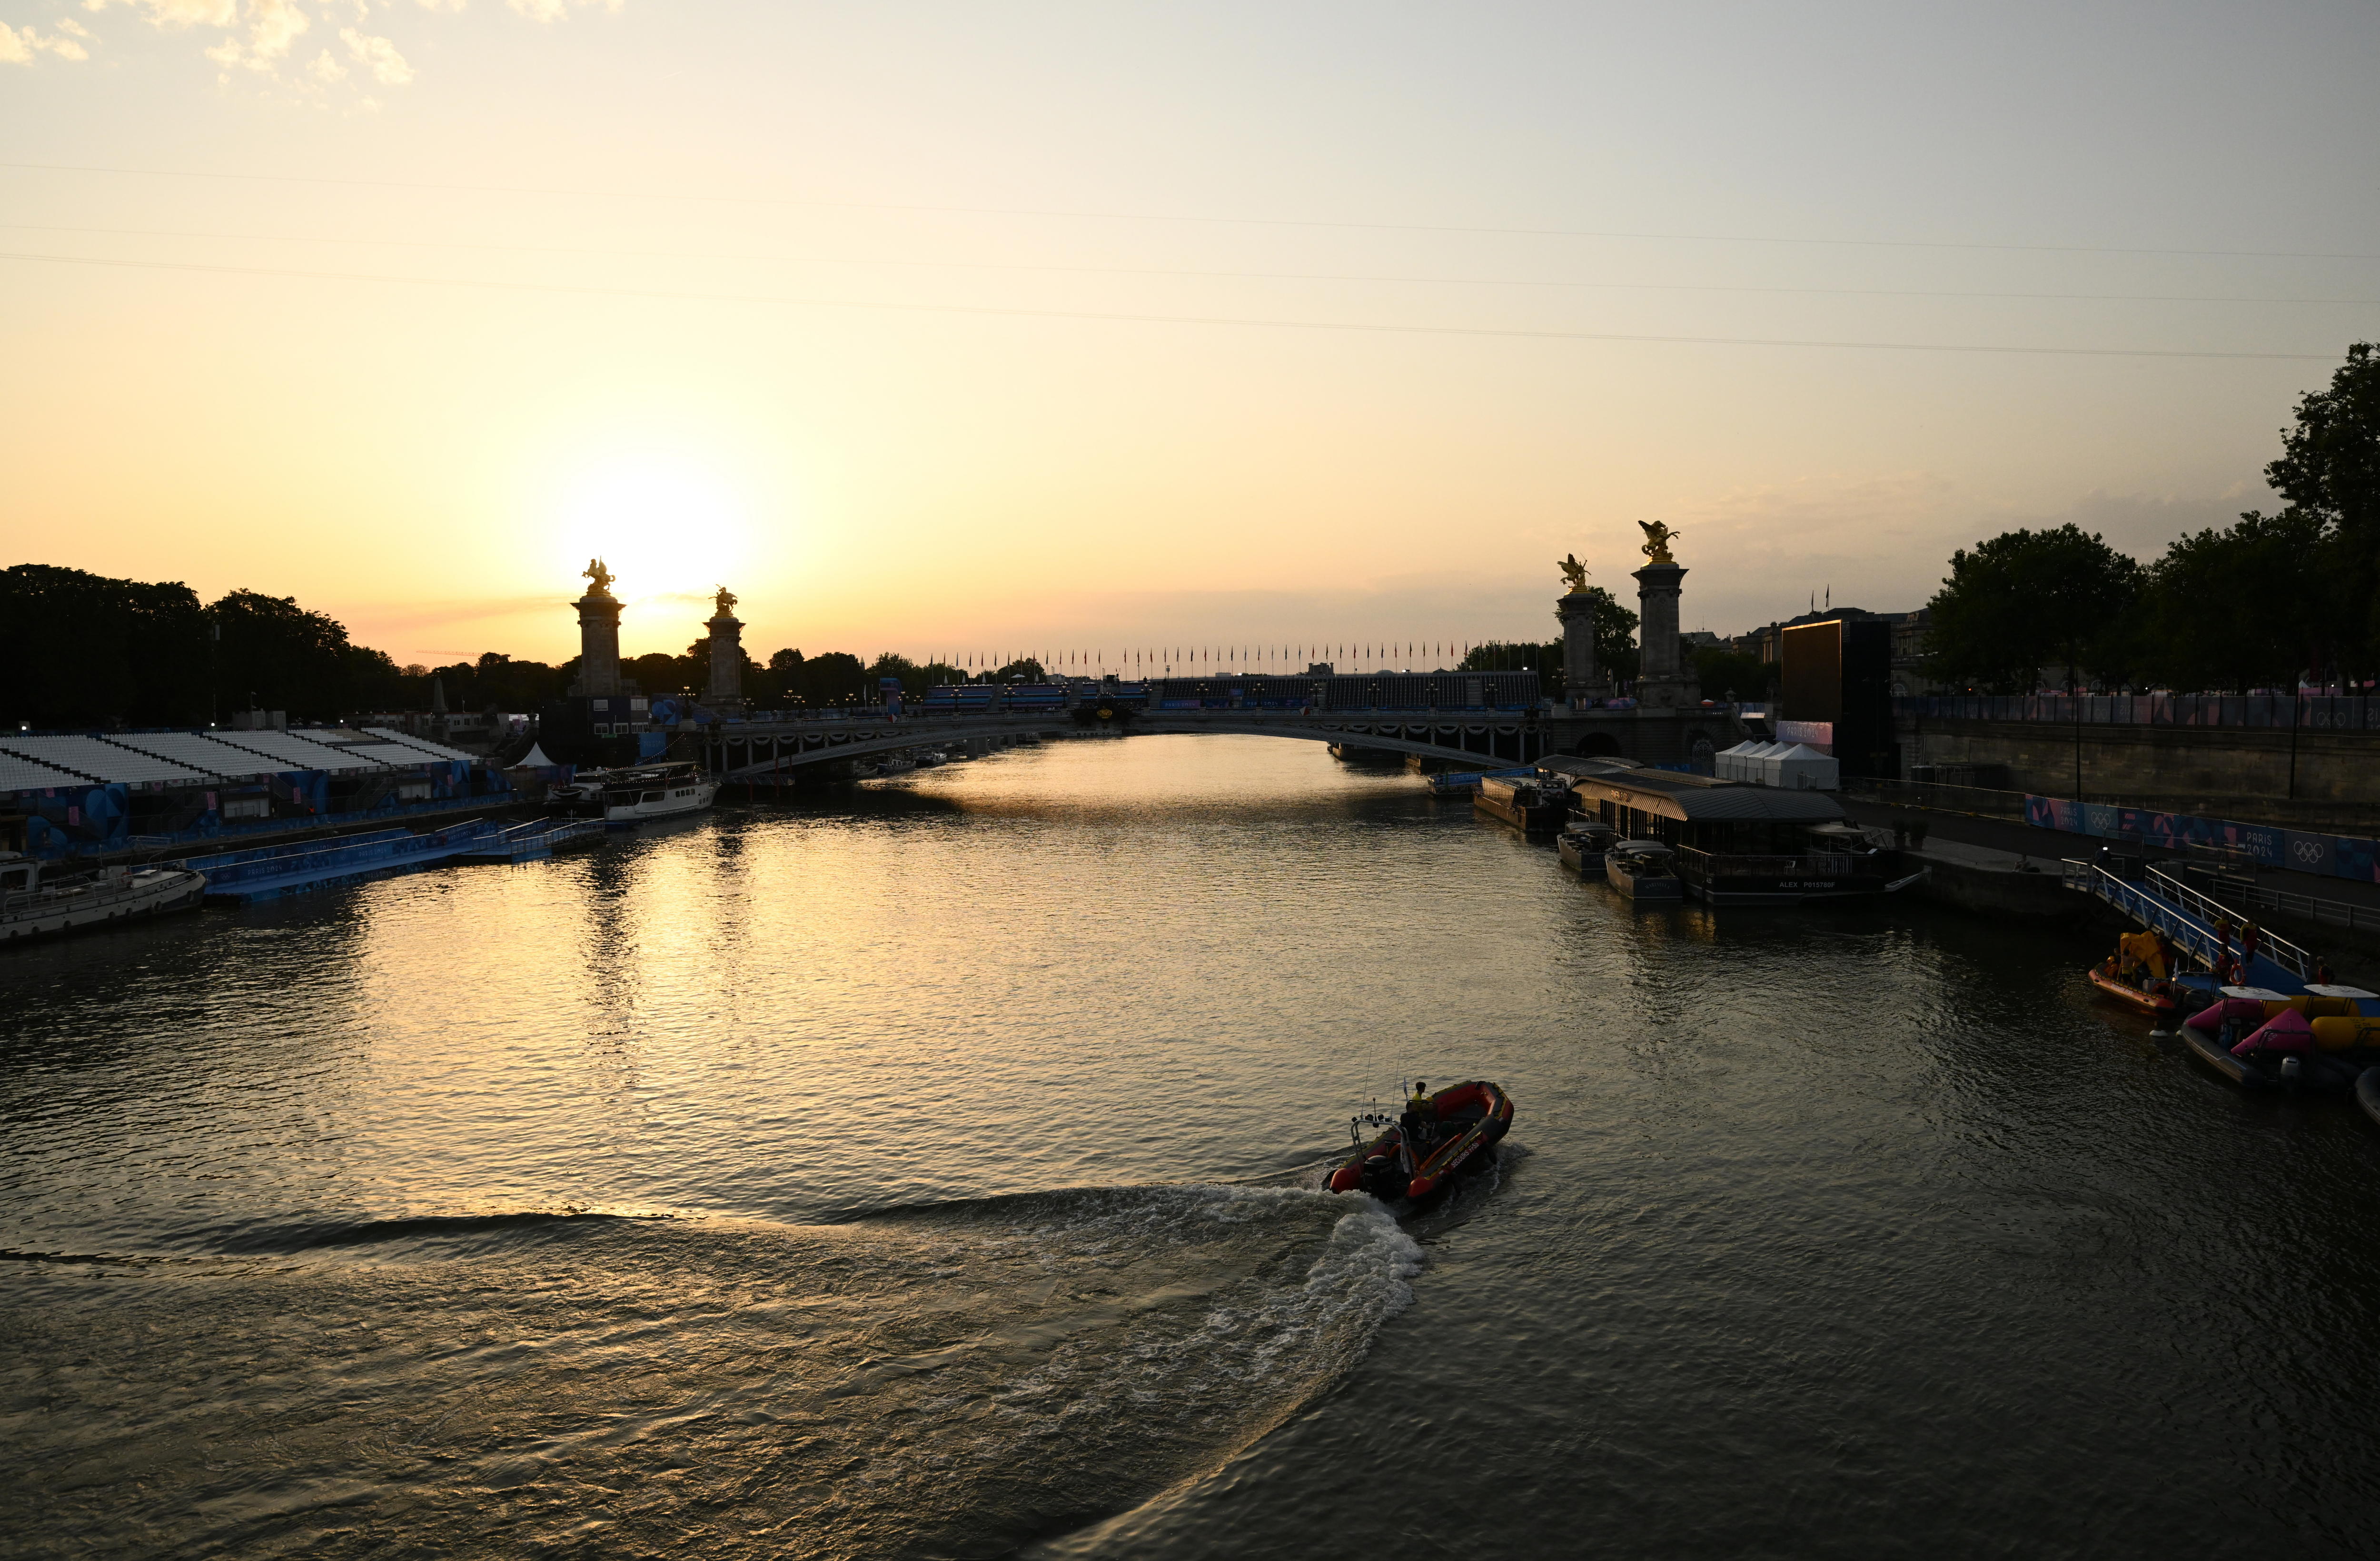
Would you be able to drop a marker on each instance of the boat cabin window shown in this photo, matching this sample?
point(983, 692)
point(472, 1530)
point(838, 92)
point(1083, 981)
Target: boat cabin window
point(15, 880)
point(653, 795)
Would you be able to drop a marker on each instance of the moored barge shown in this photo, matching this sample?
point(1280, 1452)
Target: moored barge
point(1529, 806)
point(1735, 844)
point(32, 905)
point(632, 795)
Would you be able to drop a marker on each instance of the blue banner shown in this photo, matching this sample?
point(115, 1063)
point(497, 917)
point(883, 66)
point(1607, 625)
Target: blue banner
point(2332, 856)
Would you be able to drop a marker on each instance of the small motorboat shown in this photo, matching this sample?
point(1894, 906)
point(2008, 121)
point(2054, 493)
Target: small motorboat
point(2137, 976)
point(1643, 869)
point(1583, 844)
point(1434, 1140)
point(2157, 999)
point(2256, 1049)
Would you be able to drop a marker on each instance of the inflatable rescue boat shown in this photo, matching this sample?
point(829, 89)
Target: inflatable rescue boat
point(2136, 975)
point(2157, 998)
point(1424, 1148)
point(2262, 1043)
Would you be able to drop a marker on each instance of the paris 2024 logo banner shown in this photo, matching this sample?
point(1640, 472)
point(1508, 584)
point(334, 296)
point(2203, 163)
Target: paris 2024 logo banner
point(2332, 856)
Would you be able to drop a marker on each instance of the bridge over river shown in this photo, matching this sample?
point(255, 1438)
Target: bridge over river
point(756, 750)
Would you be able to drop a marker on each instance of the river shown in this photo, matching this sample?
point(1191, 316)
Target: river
point(929, 1169)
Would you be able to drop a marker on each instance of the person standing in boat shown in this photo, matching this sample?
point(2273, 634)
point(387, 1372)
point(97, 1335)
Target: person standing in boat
point(1420, 1122)
point(2248, 938)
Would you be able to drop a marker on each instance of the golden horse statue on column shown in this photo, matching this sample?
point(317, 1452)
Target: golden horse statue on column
point(1657, 537)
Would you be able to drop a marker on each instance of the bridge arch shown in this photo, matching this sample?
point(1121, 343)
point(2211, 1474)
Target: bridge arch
point(760, 750)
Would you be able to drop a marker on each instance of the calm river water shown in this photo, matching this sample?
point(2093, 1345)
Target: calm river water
point(926, 1170)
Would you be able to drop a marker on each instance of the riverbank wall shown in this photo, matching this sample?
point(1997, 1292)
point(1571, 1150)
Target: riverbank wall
point(2300, 777)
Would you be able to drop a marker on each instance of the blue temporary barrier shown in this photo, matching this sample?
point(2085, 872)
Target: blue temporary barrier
point(2329, 856)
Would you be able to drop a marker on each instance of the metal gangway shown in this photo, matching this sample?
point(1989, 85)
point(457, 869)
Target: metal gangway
point(2165, 904)
point(533, 841)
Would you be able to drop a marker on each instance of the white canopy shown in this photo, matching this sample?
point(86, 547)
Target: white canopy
point(534, 759)
point(1729, 765)
point(1806, 769)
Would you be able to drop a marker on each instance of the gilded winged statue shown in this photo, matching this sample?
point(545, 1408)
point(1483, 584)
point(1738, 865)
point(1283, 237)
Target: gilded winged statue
point(726, 600)
point(601, 576)
point(1574, 573)
point(1657, 537)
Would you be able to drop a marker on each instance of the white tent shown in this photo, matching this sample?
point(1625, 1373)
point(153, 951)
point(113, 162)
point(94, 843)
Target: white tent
point(1760, 764)
point(1729, 764)
point(1806, 769)
point(534, 759)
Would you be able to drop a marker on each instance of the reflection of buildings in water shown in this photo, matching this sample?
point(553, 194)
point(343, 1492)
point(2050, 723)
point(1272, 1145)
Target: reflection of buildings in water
point(613, 976)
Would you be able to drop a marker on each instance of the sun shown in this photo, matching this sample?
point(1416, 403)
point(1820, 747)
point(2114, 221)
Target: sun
point(667, 526)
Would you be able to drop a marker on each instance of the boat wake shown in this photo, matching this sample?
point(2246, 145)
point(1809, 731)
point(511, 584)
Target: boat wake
point(953, 1379)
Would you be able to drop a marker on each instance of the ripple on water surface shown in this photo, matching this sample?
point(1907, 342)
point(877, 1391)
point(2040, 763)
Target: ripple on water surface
point(953, 1379)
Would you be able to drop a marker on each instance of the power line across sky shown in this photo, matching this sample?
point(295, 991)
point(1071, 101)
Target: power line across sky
point(1129, 317)
point(1195, 274)
point(1512, 230)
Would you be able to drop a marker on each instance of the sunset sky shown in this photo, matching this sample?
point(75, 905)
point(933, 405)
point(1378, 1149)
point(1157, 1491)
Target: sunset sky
point(996, 327)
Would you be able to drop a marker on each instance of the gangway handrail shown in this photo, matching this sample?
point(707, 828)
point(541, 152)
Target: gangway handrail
point(2310, 907)
point(2179, 929)
point(2183, 932)
point(2283, 952)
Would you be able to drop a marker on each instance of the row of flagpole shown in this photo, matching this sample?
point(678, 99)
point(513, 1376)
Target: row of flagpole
point(1195, 659)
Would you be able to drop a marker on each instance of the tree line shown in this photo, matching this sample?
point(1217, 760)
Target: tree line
point(2259, 604)
point(1722, 673)
point(82, 649)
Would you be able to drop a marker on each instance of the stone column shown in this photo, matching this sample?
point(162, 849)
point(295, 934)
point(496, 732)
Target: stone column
point(1582, 679)
point(1661, 683)
point(725, 690)
point(598, 640)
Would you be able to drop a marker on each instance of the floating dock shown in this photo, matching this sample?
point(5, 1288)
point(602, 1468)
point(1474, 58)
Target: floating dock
point(533, 841)
point(270, 872)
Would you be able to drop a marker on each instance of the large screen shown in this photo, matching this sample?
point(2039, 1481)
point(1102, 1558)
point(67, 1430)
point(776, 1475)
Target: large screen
point(1812, 676)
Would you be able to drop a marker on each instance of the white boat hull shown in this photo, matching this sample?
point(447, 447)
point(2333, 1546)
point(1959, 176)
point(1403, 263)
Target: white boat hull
point(663, 803)
point(155, 891)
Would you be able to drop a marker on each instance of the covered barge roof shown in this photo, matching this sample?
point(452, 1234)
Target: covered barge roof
point(1695, 798)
